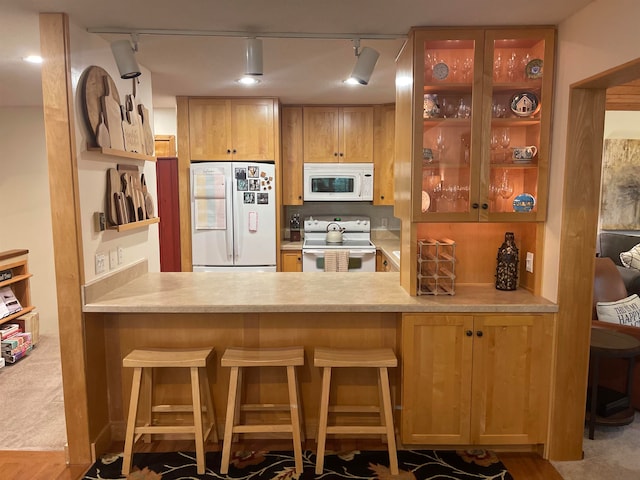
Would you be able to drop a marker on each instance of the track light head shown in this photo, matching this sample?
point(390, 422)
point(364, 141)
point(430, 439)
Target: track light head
point(367, 58)
point(254, 57)
point(124, 53)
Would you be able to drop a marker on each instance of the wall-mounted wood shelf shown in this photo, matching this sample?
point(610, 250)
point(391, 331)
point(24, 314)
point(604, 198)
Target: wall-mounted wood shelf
point(133, 225)
point(122, 154)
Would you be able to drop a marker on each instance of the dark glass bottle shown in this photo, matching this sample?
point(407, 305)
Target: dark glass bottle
point(507, 270)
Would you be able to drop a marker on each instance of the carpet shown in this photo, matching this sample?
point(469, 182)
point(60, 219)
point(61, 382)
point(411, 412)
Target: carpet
point(267, 465)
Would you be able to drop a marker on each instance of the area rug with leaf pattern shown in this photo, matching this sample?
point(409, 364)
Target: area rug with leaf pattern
point(267, 465)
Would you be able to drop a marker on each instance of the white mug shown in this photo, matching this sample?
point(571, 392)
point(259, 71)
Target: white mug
point(524, 153)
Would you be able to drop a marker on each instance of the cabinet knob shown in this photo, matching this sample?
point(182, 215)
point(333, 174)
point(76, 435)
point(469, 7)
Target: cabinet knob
point(468, 333)
point(299, 197)
point(335, 154)
point(381, 197)
point(485, 206)
point(385, 263)
point(341, 154)
point(234, 151)
point(479, 333)
point(474, 205)
point(228, 150)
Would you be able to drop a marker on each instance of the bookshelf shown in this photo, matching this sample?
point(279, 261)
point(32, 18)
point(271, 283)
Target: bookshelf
point(14, 263)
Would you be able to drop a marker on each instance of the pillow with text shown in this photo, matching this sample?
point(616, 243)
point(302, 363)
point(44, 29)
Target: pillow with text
point(622, 312)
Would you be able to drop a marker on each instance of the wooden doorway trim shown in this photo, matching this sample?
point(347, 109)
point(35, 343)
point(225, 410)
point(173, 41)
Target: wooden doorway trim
point(583, 162)
point(66, 226)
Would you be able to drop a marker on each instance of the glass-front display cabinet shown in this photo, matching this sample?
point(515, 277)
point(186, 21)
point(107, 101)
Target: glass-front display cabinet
point(481, 123)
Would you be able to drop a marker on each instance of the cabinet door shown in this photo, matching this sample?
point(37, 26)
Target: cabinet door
point(321, 126)
point(209, 129)
point(252, 129)
point(447, 158)
point(291, 260)
point(356, 135)
point(436, 385)
point(383, 154)
point(511, 379)
point(518, 82)
point(292, 156)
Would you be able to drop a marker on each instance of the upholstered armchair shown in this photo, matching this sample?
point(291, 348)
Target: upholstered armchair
point(608, 286)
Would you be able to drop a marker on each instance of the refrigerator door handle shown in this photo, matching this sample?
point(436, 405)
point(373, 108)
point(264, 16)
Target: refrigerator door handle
point(229, 233)
point(237, 227)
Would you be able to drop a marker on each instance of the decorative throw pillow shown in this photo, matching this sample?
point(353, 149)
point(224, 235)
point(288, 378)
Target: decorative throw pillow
point(623, 312)
point(631, 258)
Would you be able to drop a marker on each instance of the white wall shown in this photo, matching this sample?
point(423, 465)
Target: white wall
point(86, 50)
point(601, 36)
point(25, 214)
point(622, 125)
point(165, 121)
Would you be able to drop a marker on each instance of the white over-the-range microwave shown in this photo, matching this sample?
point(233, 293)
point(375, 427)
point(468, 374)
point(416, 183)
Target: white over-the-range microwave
point(338, 182)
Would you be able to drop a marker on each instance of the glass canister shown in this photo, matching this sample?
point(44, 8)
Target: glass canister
point(507, 269)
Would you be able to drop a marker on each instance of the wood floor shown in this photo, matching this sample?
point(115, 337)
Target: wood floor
point(24, 465)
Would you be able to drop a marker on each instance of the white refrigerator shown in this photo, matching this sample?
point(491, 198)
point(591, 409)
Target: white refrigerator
point(233, 216)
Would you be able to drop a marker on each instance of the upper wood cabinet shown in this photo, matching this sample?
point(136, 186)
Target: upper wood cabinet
point(232, 129)
point(477, 95)
point(292, 155)
point(476, 379)
point(338, 134)
point(383, 154)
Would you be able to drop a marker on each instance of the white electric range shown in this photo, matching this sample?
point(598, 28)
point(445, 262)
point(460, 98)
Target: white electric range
point(356, 238)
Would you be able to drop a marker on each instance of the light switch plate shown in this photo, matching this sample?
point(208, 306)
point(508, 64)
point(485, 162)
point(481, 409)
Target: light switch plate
point(113, 259)
point(101, 263)
point(529, 262)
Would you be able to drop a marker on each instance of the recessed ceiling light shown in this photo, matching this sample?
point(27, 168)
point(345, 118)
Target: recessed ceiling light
point(248, 80)
point(33, 59)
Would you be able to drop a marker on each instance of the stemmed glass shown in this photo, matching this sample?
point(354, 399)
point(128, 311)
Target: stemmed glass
point(440, 143)
point(505, 140)
point(467, 67)
point(511, 66)
point(506, 186)
point(494, 141)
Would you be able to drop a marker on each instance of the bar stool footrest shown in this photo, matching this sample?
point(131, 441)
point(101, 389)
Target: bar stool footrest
point(364, 429)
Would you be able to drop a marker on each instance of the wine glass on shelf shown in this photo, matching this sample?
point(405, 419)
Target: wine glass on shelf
point(494, 141)
point(467, 68)
point(497, 67)
point(511, 66)
point(440, 144)
point(505, 140)
point(506, 186)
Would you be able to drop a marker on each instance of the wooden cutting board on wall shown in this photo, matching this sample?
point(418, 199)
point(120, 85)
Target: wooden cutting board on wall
point(112, 116)
point(92, 90)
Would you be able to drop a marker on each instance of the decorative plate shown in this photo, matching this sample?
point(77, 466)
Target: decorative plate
point(524, 202)
point(426, 201)
point(524, 104)
point(534, 68)
point(440, 71)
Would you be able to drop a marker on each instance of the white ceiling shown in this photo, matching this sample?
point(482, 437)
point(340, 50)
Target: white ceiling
point(295, 70)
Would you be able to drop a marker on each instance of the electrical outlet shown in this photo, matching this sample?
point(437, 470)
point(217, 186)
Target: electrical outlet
point(384, 222)
point(120, 255)
point(101, 263)
point(529, 262)
point(113, 259)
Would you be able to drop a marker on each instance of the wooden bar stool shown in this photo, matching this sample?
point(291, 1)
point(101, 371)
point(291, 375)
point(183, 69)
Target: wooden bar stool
point(238, 358)
point(380, 358)
point(143, 362)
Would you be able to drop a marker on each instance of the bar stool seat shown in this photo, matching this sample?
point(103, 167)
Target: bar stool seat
point(143, 361)
point(380, 358)
point(239, 358)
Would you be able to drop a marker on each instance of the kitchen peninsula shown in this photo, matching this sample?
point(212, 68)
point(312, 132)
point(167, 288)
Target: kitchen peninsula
point(481, 358)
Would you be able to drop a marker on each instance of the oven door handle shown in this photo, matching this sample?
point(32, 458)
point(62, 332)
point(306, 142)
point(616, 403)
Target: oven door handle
point(352, 253)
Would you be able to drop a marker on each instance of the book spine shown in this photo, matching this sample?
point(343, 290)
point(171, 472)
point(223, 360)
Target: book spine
point(18, 349)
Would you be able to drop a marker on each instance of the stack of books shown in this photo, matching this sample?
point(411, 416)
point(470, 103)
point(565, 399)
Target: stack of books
point(14, 343)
